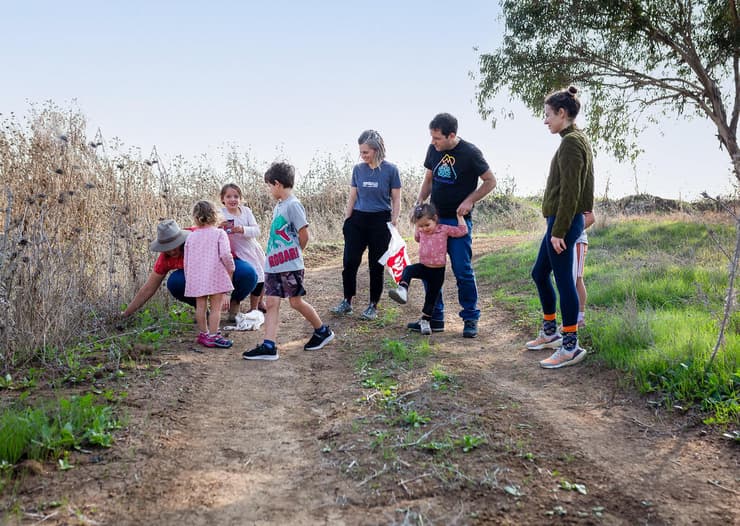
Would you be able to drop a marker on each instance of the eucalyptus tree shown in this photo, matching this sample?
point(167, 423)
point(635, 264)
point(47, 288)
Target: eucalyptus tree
point(635, 59)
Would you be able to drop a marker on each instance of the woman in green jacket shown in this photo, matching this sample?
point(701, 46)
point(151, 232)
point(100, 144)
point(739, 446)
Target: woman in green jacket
point(568, 194)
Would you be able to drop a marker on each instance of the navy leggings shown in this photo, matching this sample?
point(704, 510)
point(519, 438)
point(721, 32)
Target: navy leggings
point(548, 263)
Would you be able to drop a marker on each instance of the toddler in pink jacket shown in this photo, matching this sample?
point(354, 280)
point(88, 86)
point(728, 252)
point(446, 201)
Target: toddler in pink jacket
point(432, 239)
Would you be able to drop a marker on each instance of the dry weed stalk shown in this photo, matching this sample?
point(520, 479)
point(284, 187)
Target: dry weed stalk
point(78, 216)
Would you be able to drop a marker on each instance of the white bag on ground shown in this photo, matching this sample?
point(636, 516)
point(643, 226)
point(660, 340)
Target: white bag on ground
point(250, 321)
point(395, 258)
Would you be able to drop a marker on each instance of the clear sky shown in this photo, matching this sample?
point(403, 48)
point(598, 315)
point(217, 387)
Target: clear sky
point(302, 79)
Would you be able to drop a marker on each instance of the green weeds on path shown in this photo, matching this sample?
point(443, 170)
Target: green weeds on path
point(68, 399)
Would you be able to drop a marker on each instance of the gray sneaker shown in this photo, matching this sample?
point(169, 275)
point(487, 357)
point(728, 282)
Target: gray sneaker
point(344, 307)
point(370, 313)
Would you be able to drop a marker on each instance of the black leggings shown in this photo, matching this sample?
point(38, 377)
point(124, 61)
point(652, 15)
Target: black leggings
point(434, 277)
point(365, 230)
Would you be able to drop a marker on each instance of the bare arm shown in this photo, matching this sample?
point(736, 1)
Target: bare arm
point(395, 205)
point(489, 183)
point(426, 188)
point(350, 202)
point(151, 286)
point(303, 237)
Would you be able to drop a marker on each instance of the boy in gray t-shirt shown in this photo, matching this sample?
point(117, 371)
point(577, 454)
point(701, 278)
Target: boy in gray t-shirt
point(284, 267)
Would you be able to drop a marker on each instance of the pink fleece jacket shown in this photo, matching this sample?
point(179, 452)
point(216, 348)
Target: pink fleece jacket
point(433, 247)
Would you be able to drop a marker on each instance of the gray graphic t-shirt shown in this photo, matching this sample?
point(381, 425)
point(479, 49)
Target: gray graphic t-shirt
point(283, 249)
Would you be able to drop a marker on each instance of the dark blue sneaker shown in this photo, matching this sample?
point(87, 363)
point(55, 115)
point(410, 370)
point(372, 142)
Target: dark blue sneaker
point(261, 352)
point(471, 329)
point(318, 340)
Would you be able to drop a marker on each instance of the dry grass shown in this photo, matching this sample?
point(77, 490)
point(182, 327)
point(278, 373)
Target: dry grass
point(78, 214)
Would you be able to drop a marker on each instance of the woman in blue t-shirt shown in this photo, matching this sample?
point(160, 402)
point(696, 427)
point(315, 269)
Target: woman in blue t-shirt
point(374, 200)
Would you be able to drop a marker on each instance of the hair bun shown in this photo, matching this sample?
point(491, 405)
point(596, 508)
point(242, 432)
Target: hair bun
point(572, 90)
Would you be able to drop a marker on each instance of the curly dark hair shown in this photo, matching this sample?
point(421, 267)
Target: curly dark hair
point(282, 173)
point(445, 123)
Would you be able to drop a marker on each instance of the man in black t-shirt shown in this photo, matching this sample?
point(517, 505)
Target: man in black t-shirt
point(453, 167)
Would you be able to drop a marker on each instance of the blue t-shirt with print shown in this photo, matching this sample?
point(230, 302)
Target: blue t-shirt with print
point(374, 186)
point(283, 252)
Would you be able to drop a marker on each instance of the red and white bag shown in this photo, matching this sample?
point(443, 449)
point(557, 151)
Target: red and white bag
point(395, 258)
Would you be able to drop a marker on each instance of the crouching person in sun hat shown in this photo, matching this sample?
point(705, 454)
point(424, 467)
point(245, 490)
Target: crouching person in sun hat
point(170, 243)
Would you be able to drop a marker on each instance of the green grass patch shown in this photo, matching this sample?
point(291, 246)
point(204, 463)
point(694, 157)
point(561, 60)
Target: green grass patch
point(655, 295)
point(48, 431)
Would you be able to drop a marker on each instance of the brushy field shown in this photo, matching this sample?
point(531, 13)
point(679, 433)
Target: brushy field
point(656, 288)
point(78, 214)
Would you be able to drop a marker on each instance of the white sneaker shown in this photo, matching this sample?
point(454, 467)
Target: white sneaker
point(563, 358)
point(426, 329)
point(543, 341)
point(400, 295)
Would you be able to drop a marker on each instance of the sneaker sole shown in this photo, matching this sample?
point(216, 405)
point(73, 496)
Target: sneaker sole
point(321, 345)
point(368, 318)
point(426, 333)
point(266, 357)
point(396, 297)
point(576, 359)
point(470, 335)
point(555, 344)
point(434, 329)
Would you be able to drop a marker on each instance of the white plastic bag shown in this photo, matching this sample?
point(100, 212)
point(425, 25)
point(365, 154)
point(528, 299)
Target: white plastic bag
point(395, 258)
point(250, 321)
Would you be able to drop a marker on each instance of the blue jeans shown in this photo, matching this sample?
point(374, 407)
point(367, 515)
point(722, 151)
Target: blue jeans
point(549, 263)
point(244, 280)
point(460, 250)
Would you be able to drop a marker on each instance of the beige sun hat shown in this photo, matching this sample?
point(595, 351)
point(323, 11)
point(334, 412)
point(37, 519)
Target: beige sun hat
point(169, 236)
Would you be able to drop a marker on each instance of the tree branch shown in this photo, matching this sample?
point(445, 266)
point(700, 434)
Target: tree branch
point(736, 105)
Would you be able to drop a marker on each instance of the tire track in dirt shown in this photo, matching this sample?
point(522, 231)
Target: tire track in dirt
point(225, 441)
point(250, 444)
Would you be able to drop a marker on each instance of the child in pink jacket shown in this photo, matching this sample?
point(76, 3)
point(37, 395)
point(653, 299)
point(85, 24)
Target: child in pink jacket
point(432, 239)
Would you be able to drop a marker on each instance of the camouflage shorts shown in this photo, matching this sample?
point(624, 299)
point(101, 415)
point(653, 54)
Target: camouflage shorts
point(285, 284)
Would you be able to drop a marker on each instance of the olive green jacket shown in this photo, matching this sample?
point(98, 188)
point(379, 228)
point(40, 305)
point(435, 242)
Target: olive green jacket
point(570, 185)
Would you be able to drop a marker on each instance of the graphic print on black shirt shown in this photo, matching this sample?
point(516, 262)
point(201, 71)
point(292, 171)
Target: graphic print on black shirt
point(444, 172)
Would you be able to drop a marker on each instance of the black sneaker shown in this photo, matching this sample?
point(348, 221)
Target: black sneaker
point(437, 326)
point(471, 329)
point(318, 341)
point(261, 352)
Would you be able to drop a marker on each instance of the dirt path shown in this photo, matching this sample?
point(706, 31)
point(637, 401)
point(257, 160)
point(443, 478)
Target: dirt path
point(217, 440)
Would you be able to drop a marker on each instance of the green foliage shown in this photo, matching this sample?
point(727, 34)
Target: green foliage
point(414, 419)
point(468, 442)
point(50, 430)
point(671, 55)
point(655, 293)
point(441, 380)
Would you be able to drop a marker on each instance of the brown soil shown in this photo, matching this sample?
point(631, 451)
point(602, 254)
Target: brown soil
point(218, 440)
